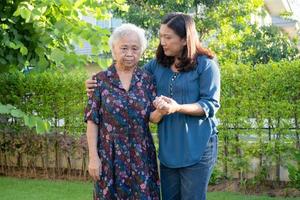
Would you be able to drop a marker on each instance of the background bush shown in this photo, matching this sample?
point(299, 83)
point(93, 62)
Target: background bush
point(259, 117)
point(53, 95)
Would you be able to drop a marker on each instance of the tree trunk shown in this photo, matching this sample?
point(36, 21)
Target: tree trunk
point(239, 155)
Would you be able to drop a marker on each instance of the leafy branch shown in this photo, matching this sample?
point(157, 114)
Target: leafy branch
point(41, 125)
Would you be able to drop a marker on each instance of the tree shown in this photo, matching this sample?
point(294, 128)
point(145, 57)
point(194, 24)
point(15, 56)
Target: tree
point(267, 43)
point(42, 33)
point(255, 45)
point(148, 14)
point(211, 17)
point(41, 126)
point(223, 25)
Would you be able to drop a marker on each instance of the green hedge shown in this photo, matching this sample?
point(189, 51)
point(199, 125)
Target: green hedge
point(259, 115)
point(259, 118)
point(52, 95)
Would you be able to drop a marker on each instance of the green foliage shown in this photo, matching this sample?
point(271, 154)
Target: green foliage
point(52, 95)
point(58, 150)
point(230, 34)
point(216, 176)
point(213, 18)
point(223, 25)
point(260, 45)
point(259, 116)
point(227, 17)
point(42, 33)
point(294, 170)
point(41, 125)
point(148, 15)
point(209, 15)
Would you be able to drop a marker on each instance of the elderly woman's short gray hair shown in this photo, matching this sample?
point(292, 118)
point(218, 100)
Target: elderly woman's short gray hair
point(124, 30)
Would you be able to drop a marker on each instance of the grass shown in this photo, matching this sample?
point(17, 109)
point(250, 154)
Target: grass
point(32, 189)
point(236, 196)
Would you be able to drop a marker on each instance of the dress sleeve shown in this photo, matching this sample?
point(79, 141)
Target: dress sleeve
point(92, 109)
point(209, 86)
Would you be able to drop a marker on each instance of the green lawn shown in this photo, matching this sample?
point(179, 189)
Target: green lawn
point(31, 189)
point(28, 189)
point(235, 196)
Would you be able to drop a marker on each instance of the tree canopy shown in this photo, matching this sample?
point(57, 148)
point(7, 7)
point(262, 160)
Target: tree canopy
point(224, 25)
point(43, 32)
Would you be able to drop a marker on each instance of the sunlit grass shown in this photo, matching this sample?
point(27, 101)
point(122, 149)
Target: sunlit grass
point(34, 189)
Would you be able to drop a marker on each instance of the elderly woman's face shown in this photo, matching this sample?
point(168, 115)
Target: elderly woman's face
point(127, 51)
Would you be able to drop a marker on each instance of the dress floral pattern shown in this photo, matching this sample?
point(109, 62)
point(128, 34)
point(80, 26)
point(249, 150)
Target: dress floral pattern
point(125, 145)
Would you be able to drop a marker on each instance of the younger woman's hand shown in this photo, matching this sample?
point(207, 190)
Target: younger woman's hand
point(170, 104)
point(160, 105)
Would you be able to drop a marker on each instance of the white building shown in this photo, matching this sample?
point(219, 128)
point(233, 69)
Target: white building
point(276, 8)
point(86, 48)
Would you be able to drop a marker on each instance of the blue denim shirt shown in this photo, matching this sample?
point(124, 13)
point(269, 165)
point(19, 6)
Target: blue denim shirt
point(183, 138)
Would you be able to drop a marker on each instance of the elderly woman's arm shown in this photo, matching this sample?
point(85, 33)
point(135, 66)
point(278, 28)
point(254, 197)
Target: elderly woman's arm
point(160, 110)
point(156, 116)
point(94, 160)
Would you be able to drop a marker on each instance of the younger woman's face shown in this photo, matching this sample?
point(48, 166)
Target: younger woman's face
point(170, 41)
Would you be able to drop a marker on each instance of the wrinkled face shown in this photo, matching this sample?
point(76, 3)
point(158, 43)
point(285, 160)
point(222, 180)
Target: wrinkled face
point(170, 41)
point(127, 51)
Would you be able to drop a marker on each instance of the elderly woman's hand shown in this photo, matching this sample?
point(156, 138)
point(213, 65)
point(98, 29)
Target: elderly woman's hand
point(90, 85)
point(95, 167)
point(166, 104)
point(160, 105)
point(160, 110)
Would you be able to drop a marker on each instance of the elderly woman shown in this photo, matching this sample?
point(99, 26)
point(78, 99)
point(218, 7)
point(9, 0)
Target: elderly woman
point(122, 158)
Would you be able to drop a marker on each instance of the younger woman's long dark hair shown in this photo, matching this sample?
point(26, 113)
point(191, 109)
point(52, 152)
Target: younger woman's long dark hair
point(184, 26)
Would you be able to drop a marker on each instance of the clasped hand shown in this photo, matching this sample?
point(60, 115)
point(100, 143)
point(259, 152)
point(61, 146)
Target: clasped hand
point(166, 105)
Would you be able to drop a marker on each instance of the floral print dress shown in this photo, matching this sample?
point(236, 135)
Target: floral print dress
point(125, 145)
